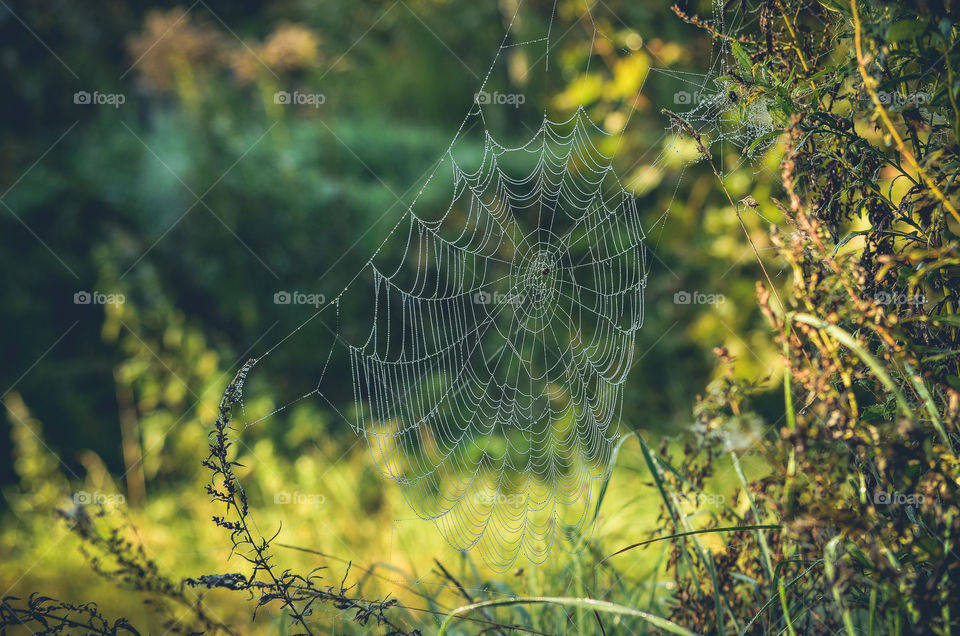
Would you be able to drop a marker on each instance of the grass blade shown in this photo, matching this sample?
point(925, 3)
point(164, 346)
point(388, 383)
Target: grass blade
point(578, 603)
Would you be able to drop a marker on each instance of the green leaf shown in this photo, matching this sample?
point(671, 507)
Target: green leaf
point(764, 526)
point(951, 320)
point(835, 5)
point(742, 57)
point(762, 139)
point(906, 30)
point(875, 413)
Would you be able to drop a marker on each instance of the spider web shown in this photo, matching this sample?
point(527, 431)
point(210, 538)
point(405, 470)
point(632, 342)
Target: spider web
point(491, 382)
point(715, 104)
point(488, 377)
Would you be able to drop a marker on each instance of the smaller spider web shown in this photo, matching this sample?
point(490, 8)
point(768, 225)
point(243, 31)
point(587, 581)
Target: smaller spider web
point(719, 107)
point(716, 104)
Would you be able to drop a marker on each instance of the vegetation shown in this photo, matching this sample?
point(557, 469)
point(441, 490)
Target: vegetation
point(802, 479)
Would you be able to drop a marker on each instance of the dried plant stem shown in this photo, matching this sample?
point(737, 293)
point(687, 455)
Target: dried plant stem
point(869, 83)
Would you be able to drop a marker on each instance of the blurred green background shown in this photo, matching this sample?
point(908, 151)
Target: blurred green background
point(198, 198)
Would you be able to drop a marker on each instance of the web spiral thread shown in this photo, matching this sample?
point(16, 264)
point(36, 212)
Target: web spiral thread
point(491, 382)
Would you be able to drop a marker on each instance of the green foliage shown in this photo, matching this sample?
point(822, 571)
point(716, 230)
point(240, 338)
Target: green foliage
point(864, 473)
point(817, 490)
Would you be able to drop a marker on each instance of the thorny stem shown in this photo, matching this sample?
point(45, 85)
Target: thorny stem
point(232, 497)
point(707, 26)
point(44, 611)
point(288, 588)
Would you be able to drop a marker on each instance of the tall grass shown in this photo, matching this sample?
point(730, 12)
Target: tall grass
point(842, 514)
